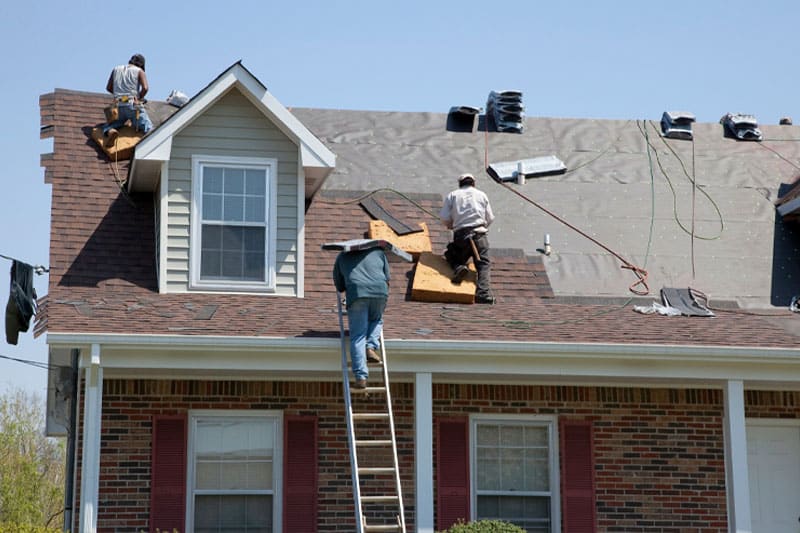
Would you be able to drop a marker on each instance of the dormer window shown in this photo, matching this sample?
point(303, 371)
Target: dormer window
point(233, 221)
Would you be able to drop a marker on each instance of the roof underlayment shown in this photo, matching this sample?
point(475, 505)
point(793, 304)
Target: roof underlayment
point(613, 190)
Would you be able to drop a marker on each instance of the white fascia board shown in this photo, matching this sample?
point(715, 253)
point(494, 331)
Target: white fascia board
point(158, 145)
point(313, 152)
point(789, 207)
point(507, 361)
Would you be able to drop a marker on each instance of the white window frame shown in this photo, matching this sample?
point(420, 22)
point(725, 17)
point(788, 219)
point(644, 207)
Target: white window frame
point(271, 167)
point(276, 417)
point(551, 422)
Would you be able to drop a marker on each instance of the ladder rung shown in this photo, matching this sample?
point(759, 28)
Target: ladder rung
point(376, 527)
point(382, 498)
point(367, 390)
point(376, 470)
point(366, 443)
point(370, 416)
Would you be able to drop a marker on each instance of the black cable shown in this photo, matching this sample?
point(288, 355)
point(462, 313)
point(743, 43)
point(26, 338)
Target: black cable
point(38, 364)
point(38, 269)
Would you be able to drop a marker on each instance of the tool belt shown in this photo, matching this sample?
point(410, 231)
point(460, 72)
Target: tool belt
point(112, 111)
point(464, 234)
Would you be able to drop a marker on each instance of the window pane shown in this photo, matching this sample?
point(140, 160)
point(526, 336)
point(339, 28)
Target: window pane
point(488, 435)
point(211, 238)
point(232, 239)
point(255, 239)
point(234, 181)
point(212, 179)
point(512, 473)
point(229, 513)
point(512, 436)
point(207, 475)
point(536, 436)
point(537, 468)
point(254, 209)
point(232, 265)
point(256, 182)
point(254, 267)
point(488, 469)
point(529, 512)
point(212, 206)
point(259, 475)
point(210, 264)
point(233, 208)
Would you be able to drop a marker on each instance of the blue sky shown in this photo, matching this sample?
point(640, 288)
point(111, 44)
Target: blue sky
point(620, 60)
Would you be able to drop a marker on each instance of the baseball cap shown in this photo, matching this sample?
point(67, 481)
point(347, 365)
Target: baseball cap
point(463, 179)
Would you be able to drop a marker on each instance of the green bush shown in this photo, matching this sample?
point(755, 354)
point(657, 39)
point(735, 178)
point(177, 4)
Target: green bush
point(484, 526)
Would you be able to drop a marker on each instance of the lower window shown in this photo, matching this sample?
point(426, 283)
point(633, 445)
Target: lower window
point(234, 471)
point(513, 460)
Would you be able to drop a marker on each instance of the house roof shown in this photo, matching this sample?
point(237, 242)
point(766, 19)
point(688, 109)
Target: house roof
point(103, 272)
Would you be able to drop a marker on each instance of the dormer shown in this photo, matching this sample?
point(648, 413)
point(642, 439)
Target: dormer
point(231, 171)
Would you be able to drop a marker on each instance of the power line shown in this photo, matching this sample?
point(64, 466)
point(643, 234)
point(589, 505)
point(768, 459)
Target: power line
point(38, 269)
point(37, 364)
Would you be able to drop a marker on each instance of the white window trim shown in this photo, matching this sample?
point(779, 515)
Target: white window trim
point(195, 283)
point(277, 459)
point(555, 473)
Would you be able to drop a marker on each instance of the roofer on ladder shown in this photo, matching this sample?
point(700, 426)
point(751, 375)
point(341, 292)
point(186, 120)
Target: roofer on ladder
point(468, 213)
point(128, 84)
point(364, 274)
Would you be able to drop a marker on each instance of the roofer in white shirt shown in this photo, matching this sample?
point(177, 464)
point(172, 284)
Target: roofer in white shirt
point(468, 213)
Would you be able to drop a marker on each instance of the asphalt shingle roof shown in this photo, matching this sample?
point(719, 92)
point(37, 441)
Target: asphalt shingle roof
point(103, 261)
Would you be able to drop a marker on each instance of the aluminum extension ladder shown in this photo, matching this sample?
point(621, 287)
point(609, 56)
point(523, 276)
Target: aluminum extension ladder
point(378, 502)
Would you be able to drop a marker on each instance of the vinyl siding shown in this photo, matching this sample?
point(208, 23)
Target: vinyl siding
point(232, 127)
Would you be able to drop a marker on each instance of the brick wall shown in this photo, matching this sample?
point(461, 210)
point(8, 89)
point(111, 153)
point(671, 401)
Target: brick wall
point(659, 453)
point(128, 407)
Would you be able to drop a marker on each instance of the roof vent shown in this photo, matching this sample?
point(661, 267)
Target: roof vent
point(525, 168)
point(741, 126)
point(462, 118)
point(506, 111)
point(677, 124)
point(785, 121)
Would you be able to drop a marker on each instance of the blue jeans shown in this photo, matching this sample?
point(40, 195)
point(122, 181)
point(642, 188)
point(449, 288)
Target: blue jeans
point(127, 111)
point(365, 318)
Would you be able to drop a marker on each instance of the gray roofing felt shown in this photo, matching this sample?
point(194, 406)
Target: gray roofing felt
point(615, 190)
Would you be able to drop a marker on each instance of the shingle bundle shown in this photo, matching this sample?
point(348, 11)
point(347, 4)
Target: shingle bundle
point(741, 126)
point(505, 111)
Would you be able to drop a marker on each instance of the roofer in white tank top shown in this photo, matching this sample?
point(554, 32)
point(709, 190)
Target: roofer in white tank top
point(128, 84)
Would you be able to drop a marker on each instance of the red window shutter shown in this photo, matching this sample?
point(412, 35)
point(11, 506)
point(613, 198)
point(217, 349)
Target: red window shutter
point(300, 474)
point(452, 476)
point(577, 477)
point(168, 473)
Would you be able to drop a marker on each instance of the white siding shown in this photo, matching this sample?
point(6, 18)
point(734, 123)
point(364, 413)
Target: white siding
point(231, 127)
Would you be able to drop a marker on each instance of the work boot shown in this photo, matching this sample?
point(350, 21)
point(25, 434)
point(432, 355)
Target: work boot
point(485, 300)
point(459, 274)
point(360, 384)
point(111, 137)
point(373, 357)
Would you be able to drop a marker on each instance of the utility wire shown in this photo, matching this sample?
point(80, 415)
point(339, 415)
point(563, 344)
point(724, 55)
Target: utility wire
point(38, 269)
point(37, 364)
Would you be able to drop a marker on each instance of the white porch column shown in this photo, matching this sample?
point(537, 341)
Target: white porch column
point(90, 475)
point(736, 459)
point(423, 450)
